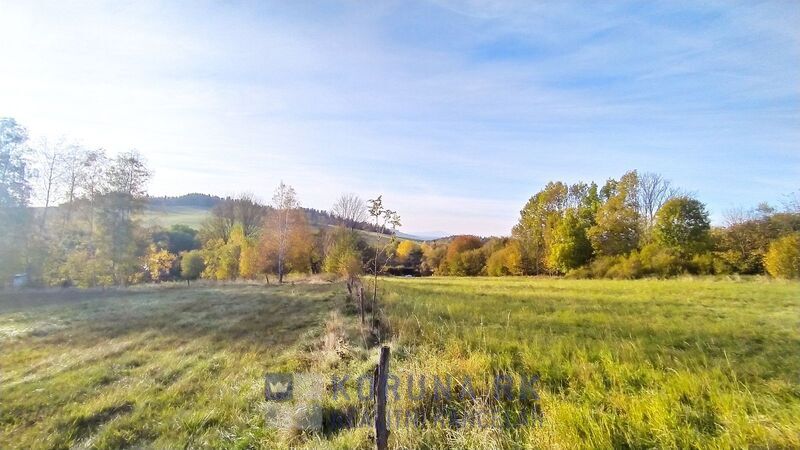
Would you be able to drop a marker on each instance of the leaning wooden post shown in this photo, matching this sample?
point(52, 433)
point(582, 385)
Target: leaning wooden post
point(380, 378)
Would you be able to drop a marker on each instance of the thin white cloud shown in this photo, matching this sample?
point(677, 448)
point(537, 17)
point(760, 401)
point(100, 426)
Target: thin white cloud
point(417, 100)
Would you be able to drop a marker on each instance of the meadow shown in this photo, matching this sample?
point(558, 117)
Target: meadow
point(166, 217)
point(685, 363)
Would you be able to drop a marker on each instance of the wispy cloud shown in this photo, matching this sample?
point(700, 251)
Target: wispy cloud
point(459, 110)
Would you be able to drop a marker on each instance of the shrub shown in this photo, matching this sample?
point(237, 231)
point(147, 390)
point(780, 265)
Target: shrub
point(626, 267)
point(783, 257)
point(579, 273)
point(602, 265)
point(704, 264)
point(192, 265)
point(661, 261)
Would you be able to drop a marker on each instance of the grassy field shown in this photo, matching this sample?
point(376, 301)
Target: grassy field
point(635, 364)
point(625, 364)
point(176, 215)
point(149, 367)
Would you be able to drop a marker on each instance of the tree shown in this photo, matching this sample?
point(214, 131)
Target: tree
point(432, 257)
point(299, 251)
point(243, 209)
point(118, 228)
point(15, 186)
point(244, 247)
point(178, 239)
point(570, 247)
point(345, 256)
point(284, 201)
point(537, 219)
point(783, 258)
point(94, 182)
point(454, 262)
point(408, 251)
point(505, 261)
point(49, 167)
point(350, 209)
point(653, 191)
point(250, 213)
point(159, 263)
point(129, 175)
point(192, 265)
point(384, 220)
point(300, 255)
point(73, 172)
point(682, 224)
point(15, 192)
point(616, 230)
point(469, 263)
point(792, 202)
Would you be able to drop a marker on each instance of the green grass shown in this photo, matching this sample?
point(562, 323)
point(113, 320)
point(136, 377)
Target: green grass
point(633, 364)
point(149, 367)
point(176, 215)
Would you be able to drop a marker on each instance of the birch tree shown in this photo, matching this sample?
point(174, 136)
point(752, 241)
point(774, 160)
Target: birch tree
point(73, 172)
point(49, 158)
point(93, 182)
point(284, 201)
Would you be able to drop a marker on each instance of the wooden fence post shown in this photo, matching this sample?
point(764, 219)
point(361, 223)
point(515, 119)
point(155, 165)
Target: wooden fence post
point(380, 378)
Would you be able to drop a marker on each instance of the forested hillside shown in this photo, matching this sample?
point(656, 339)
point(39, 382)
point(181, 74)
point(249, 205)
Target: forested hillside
point(172, 210)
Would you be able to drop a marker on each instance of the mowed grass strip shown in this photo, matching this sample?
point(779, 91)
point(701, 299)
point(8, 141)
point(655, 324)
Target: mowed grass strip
point(168, 367)
point(687, 363)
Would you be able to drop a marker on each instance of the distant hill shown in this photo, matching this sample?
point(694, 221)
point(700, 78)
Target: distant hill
point(192, 209)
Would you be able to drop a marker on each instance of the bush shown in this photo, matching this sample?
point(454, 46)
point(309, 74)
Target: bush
point(192, 265)
point(629, 267)
point(704, 264)
point(661, 261)
point(653, 259)
point(580, 273)
point(601, 266)
point(783, 257)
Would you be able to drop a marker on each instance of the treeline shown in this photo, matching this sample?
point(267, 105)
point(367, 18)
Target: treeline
point(95, 236)
point(637, 226)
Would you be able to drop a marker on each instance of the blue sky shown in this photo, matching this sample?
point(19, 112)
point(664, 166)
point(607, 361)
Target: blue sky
point(456, 112)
